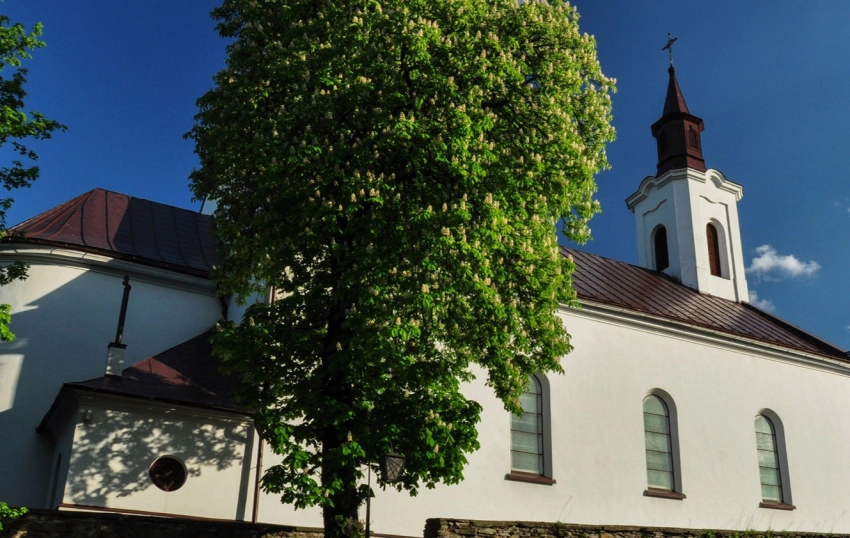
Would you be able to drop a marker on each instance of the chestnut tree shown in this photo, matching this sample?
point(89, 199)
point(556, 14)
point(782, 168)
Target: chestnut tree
point(397, 172)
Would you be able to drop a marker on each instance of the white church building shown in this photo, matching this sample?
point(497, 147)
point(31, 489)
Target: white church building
point(681, 405)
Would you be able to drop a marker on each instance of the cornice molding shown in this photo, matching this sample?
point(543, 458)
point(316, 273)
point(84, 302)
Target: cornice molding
point(650, 183)
point(38, 254)
point(701, 335)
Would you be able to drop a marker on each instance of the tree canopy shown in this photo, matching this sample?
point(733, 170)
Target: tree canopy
point(16, 125)
point(396, 171)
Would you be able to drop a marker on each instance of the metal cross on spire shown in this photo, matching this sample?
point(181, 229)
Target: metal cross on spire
point(669, 46)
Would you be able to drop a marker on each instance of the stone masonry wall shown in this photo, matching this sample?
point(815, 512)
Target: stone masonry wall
point(462, 528)
point(56, 524)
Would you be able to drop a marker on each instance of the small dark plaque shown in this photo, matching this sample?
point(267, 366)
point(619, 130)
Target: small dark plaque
point(168, 474)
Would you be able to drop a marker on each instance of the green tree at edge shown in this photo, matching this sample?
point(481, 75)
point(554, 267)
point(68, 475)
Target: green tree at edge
point(17, 125)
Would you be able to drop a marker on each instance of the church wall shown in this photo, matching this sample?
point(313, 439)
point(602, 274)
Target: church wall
point(115, 445)
point(61, 429)
point(64, 315)
point(598, 439)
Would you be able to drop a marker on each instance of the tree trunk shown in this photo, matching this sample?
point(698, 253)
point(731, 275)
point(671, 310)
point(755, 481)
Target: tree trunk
point(340, 520)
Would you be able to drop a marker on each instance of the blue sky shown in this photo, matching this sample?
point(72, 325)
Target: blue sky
point(769, 78)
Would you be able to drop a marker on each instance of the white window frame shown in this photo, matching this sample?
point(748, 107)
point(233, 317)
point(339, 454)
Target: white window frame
point(673, 419)
point(782, 455)
point(546, 476)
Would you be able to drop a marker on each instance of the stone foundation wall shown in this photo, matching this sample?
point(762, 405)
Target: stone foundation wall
point(463, 528)
point(56, 524)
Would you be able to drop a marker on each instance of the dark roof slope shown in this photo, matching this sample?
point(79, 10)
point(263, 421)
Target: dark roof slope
point(185, 374)
point(619, 284)
point(128, 228)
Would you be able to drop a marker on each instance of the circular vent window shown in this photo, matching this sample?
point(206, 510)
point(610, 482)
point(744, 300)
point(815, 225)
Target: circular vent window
point(168, 473)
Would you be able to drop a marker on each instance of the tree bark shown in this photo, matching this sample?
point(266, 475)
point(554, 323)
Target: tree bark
point(341, 520)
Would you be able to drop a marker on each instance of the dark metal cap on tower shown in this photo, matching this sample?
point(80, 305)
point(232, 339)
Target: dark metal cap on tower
point(678, 132)
point(674, 102)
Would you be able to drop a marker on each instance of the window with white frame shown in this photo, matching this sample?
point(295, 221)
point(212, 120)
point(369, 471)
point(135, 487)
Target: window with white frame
point(527, 431)
point(659, 444)
point(770, 471)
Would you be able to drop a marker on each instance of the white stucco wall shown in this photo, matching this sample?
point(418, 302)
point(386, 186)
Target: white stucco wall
point(64, 315)
point(115, 447)
point(598, 438)
point(67, 313)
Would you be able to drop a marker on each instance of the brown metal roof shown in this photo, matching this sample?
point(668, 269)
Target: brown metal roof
point(615, 283)
point(185, 374)
point(675, 101)
point(128, 228)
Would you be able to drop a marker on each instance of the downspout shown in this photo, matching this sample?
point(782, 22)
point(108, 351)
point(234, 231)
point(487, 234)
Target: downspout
point(255, 513)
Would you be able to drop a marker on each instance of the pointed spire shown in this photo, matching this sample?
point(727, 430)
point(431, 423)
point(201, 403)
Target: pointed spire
point(678, 132)
point(675, 102)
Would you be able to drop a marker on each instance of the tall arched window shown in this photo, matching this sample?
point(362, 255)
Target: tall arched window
point(527, 431)
point(773, 467)
point(662, 142)
point(661, 445)
point(662, 257)
point(713, 249)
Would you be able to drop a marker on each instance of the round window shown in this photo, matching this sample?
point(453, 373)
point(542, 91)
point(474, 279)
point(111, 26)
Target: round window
point(168, 473)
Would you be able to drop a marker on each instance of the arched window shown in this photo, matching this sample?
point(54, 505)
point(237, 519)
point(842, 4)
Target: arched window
point(662, 258)
point(527, 431)
point(662, 142)
point(661, 443)
point(713, 249)
point(693, 138)
point(773, 468)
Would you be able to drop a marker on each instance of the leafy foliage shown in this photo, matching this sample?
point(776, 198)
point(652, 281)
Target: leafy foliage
point(396, 170)
point(7, 513)
point(17, 125)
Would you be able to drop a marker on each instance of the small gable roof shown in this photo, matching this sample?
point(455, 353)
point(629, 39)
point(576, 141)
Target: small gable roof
point(619, 284)
point(187, 374)
point(127, 228)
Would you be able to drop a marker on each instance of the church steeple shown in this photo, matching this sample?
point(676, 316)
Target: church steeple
point(678, 132)
point(687, 215)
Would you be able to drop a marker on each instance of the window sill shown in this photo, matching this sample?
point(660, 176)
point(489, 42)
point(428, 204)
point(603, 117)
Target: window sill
point(664, 494)
point(519, 476)
point(777, 506)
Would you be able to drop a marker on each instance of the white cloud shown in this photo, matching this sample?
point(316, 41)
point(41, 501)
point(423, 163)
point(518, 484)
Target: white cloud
point(764, 304)
point(771, 265)
point(844, 203)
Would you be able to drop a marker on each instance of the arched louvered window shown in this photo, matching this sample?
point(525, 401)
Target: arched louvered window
point(527, 431)
point(662, 142)
point(770, 471)
point(659, 240)
point(659, 444)
point(693, 138)
point(713, 249)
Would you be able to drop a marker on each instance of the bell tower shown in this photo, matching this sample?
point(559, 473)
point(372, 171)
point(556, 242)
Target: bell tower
point(687, 214)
